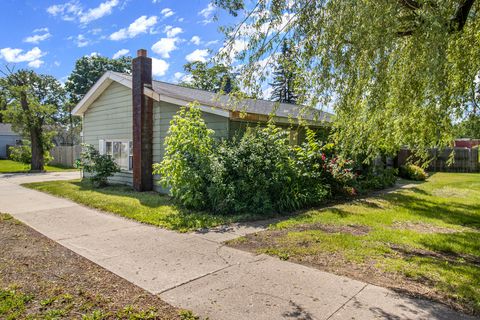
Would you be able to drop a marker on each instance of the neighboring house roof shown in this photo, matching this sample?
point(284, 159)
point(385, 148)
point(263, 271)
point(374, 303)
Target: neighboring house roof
point(6, 130)
point(224, 105)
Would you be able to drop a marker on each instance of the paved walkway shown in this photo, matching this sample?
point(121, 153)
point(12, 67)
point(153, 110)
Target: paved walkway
point(195, 271)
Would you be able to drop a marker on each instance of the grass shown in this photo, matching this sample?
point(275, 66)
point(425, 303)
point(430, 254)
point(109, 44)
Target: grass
point(424, 239)
point(9, 166)
point(147, 207)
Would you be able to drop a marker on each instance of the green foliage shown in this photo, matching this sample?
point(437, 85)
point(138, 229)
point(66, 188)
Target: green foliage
point(413, 172)
point(88, 69)
point(186, 165)
point(34, 104)
point(377, 179)
point(258, 172)
point(23, 154)
point(255, 174)
point(469, 128)
point(100, 166)
point(187, 315)
point(395, 72)
point(215, 78)
point(284, 76)
point(12, 303)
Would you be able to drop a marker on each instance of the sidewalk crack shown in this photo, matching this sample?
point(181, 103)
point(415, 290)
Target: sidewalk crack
point(346, 302)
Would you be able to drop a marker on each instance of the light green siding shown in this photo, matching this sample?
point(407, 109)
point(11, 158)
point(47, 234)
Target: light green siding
point(110, 118)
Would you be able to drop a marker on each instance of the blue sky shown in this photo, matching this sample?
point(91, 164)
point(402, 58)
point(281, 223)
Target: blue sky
point(50, 35)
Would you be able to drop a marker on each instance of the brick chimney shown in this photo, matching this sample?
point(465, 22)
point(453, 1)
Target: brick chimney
point(142, 122)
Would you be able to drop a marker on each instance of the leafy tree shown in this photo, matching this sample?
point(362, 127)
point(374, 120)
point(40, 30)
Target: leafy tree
point(33, 104)
point(284, 76)
point(470, 127)
point(88, 70)
point(216, 77)
point(99, 166)
point(396, 72)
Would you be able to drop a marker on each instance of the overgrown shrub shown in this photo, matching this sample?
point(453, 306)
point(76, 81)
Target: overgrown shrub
point(23, 154)
point(255, 173)
point(413, 172)
point(377, 178)
point(99, 166)
point(186, 165)
point(258, 172)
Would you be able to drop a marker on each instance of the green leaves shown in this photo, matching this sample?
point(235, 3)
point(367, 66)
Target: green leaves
point(395, 74)
point(99, 166)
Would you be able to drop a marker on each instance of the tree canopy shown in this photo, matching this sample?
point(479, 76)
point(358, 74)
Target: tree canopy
point(210, 77)
point(88, 70)
point(283, 84)
point(396, 73)
point(33, 106)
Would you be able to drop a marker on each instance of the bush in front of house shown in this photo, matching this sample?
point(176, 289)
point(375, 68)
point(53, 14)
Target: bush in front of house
point(256, 173)
point(99, 166)
point(413, 172)
point(186, 165)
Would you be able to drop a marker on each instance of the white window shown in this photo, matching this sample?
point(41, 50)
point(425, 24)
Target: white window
point(121, 151)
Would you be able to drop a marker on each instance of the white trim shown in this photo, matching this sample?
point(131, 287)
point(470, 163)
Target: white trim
point(100, 86)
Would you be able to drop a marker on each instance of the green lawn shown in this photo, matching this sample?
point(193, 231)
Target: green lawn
point(9, 166)
point(147, 207)
point(424, 240)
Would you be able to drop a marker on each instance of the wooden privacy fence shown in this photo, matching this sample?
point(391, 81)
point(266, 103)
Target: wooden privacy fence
point(465, 159)
point(65, 155)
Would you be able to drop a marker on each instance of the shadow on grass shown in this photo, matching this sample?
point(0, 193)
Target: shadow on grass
point(179, 217)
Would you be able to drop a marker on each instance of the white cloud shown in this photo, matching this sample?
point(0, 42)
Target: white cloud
point(172, 31)
point(103, 9)
point(164, 46)
point(15, 55)
point(141, 25)
point(36, 38)
point(67, 11)
point(73, 10)
point(159, 67)
point(197, 55)
point(178, 75)
point(207, 13)
point(94, 54)
point(209, 43)
point(38, 30)
point(80, 40)
point(167, 12)
point(121, 53)
point(35, 64)
point(195, 40)
point(155, 1)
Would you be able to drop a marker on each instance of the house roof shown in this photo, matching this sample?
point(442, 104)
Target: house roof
point(225, 105)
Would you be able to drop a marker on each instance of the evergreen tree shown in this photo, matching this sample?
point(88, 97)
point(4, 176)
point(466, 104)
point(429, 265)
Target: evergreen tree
point(284, 77)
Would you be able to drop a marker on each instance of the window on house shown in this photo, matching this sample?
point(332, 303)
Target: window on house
point(122, 152)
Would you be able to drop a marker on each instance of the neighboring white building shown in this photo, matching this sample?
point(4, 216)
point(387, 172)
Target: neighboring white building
point(7, 137)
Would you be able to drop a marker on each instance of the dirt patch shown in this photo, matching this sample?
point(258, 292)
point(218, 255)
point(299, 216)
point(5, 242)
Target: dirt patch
point(451, 257)
point(353, 229)
point(59, 279)
point(422, 227)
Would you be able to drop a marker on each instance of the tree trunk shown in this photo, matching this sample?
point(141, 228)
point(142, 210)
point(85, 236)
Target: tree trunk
point(37, 163)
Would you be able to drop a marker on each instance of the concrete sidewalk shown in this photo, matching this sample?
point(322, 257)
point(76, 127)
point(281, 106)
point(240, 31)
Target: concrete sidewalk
point(195, 271)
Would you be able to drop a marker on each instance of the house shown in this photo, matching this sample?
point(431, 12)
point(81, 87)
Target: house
point(7, 138)
point(128, 116)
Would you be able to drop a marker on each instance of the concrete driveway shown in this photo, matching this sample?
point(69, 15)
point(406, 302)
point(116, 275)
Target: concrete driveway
point(196, 271)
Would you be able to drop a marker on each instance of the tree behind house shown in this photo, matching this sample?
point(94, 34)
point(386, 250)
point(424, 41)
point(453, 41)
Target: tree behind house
point(33, 102)
point(215, 77)
point(284, 76)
